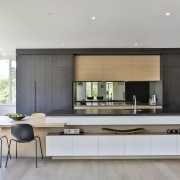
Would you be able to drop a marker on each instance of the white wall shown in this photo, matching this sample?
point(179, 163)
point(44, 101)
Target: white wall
point(4, 109)
point(81, 92)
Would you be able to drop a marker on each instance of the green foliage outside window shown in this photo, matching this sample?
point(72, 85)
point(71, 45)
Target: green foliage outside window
point(7, 82)
point(4, 91)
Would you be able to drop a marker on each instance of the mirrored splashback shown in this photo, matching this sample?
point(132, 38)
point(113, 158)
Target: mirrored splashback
point(99, 91)
point(117, 91)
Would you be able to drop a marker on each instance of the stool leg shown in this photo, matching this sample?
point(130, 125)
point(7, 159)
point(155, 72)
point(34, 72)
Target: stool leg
point(7, 144)
point(8, 153)
point(16, 149)
point(40, 147)
point(36, 153)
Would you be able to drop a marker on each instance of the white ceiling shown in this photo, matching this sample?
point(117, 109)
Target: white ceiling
point(118, 24)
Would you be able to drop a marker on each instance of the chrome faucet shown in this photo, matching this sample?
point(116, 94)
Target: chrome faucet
point(134, 104)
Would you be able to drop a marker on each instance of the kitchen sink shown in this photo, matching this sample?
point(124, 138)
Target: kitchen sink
point(132, 111)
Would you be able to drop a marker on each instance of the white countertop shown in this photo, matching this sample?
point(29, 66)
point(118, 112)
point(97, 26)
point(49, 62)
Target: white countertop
point(61, 121)
point(5, 121)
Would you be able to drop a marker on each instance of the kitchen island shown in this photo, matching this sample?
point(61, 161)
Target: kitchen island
point(94, 143)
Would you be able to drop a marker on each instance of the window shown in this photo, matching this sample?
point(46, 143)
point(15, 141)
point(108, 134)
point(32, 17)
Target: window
point(109, 90)
point(7, 81)
point(92, 89)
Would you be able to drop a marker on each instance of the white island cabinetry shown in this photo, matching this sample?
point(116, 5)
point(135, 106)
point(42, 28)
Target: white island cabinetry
point(163, 144)
point(59, 145)
point(85, 145)
point(113, 145)
point(137, 145)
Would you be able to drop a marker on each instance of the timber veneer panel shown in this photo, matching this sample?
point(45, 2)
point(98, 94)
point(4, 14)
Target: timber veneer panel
point(116, 68)
point(88, 68)
point(145, 68)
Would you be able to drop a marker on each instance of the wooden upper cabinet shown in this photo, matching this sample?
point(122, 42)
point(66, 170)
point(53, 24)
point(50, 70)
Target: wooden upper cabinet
point(116, 68)
point(88, 68)
point(145, 68)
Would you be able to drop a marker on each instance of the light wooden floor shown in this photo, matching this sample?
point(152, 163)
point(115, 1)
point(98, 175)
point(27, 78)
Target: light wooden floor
point(24, 169)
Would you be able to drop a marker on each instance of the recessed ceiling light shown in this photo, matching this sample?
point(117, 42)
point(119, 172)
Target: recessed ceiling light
point(135, 44)
point(93, 17)
point(167, 13)
point(62, 44)
point(50, 14)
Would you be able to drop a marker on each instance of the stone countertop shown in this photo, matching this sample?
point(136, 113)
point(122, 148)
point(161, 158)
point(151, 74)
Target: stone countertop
point(39, 122)
point(114, 112)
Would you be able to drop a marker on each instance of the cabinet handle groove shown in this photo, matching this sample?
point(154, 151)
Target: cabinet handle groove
point(35, 86)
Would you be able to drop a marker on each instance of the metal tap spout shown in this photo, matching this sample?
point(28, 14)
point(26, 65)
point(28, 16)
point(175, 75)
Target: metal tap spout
point(134, 104)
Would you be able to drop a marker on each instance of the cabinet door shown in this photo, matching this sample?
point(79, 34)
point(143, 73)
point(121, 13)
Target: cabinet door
point(145, 68)
point(43, 82)
point(178, 144)
point(116, 68)
point(63, 74)
point(88, 68)
point(63, 61)
point(137, 145)
point(25, 86)
point(110, 145)
point(59, 145)
point(163, 145)
point(62, 88)
point(85, 145)
point(171, 85)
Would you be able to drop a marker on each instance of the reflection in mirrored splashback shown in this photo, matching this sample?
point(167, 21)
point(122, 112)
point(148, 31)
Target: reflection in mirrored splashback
point(118, 91)
point(99, 91)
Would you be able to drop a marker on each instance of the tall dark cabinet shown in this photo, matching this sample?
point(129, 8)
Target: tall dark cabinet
point(44, 83)
point(25, 84)
point(170, 76)
point(63, 71)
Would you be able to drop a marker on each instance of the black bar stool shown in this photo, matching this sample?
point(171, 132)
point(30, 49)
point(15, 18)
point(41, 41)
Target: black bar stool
point(23, 133)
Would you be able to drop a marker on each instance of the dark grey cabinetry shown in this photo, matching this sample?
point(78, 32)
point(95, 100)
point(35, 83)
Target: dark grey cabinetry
point(62, 81)
point(44, 83)
point(25, 87)
point(170, 75)
point(34, 84)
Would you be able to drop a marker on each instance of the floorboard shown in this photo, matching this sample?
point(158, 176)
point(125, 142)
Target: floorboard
point(24, 169)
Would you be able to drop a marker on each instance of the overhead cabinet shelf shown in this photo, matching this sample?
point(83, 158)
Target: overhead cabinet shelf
point(117, 68)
